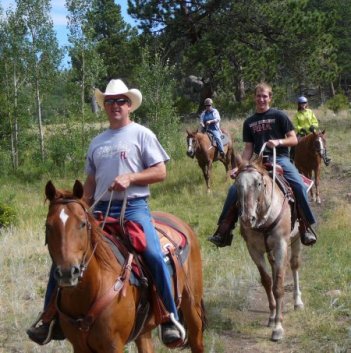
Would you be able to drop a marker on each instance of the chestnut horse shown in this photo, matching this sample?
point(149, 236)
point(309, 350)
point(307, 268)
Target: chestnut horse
point(97, 313)
point(201, 147)
point(309, 153)
point(265, 224)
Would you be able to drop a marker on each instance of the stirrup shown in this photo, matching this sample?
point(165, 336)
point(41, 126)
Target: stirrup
point(180, 334)
point(221, 240)
point(50, 329)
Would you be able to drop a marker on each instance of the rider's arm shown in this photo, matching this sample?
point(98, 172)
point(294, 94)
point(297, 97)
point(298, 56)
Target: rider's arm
point(151, 175)
point(289, 140)
point(295, 122)
point(314, 120)
point(89, 189)
point(247, 152)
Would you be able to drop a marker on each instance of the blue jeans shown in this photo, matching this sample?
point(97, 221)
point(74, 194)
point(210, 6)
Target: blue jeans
point(138, 210)
point(217, 136)
point(292, 175)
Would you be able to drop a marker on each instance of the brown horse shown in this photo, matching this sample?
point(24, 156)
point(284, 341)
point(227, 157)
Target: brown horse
point(309, 153)
point(201, 147)
point(265, 224)
point(98, 313)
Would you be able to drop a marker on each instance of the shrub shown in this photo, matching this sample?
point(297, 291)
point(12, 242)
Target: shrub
point(7, 216)
point(337, 103)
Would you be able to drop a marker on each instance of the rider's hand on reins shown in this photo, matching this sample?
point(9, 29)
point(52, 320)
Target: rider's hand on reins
point(121, 183)
point(233, 173)
point(273, 143)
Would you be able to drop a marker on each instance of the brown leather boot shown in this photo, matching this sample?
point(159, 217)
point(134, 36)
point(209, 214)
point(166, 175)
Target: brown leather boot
point(45, 332)
point(50, 328)
point(223, 236)
point(307, 234)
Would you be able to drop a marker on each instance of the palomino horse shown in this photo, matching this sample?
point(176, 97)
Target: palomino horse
point(200, 146)
point(97, 304)
point(309, 153)
point(265, 224)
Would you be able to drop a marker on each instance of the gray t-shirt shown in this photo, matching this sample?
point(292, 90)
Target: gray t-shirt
point(114, 152)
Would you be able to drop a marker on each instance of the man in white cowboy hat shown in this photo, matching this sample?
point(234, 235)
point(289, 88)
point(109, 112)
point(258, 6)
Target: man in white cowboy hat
point(126, 158)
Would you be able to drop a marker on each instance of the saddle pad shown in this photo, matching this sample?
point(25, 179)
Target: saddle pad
point(169, 231)
point(225, 139)
point(308, 182)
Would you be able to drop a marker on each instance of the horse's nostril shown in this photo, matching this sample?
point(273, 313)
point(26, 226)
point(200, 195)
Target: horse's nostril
point(58, 273)
point(75, 271)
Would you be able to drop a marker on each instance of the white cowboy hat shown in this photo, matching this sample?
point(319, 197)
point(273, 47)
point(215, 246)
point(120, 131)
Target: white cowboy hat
point(116, 87)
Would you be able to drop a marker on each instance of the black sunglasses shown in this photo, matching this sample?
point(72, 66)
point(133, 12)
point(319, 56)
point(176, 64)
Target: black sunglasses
point(118, 101)
point(208, 105)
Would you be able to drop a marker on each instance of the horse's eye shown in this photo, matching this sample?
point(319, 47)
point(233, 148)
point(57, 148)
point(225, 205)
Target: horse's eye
point(82, 224)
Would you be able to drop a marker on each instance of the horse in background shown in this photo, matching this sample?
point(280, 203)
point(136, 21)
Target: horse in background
point(266, 226)
point(309, 153)
point(200, 146)
point(96, 302)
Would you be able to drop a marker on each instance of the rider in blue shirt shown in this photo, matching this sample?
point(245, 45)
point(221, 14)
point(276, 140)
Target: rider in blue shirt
point(209, 120)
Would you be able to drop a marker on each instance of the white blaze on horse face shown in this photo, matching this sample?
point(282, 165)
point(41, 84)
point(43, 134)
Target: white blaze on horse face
point(63, 216)
point(190, 144)
point(321, 146)
point(247, 192)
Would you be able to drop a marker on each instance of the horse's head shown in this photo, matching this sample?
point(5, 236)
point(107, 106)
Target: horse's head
point(67, 233)
point(251, 183)
point(320, 145)
point(191, 144)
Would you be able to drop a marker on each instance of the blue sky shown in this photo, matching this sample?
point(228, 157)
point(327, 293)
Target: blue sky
point(59, 12)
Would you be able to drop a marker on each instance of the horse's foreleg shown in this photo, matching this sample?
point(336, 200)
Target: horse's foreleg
point(193, 313)
point(144, 343)
point(266, 281)
point(295, 261)
point(207, 175)
point(279, 269)
point(317, 180)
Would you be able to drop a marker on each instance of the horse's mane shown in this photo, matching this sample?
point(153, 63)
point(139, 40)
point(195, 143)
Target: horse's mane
point(103, 252)
point(255, 164)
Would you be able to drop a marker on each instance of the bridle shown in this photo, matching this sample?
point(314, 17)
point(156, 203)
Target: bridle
point(320, 148)
point(266, 228)
point(85, 262)
point(192, 145)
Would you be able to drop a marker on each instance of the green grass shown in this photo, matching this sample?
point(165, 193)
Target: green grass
point(231, 282)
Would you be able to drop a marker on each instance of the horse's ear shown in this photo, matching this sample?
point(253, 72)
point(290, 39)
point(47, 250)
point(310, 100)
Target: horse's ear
point(50, 190)
point(78, 189)
point(323, 132)
point(259, 160)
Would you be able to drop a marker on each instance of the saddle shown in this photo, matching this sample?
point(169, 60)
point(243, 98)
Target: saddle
point(285, 187)
point(224, 138)
point(131, 239)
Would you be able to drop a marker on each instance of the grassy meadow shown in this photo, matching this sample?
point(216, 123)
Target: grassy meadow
point(237, 309)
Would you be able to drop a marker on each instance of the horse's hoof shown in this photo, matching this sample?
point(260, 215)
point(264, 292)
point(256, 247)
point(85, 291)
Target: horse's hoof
point(277, 334)
point(298, 306)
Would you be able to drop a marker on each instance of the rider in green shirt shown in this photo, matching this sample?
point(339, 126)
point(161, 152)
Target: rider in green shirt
point(304, 120)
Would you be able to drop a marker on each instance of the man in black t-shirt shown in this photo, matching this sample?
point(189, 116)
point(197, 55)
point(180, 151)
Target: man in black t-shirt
point(273, 127)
